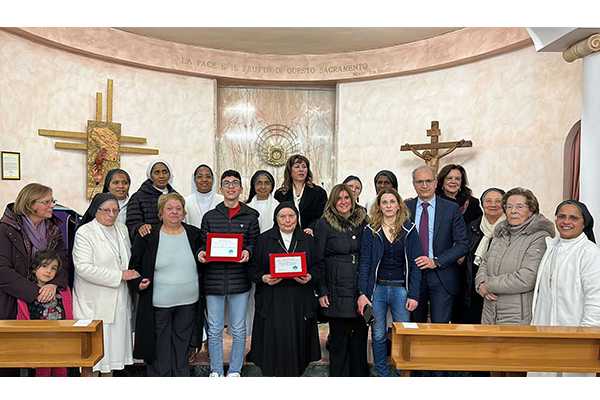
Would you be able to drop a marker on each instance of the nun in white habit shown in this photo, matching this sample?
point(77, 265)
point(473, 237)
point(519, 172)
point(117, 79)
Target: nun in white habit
point(261, 198)
point(567, 290)
point(204, 196)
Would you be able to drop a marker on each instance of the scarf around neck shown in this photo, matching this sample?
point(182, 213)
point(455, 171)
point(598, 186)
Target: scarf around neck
point(488, 231)
point(38, 235)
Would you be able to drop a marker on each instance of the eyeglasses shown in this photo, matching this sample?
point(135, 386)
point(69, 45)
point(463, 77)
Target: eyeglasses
point(517, 207)
point(46, 202)
point(231, 184)
point(113, 211)
point(424, 182)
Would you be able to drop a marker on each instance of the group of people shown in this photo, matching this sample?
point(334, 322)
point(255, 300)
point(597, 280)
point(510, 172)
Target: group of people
point(140, 264)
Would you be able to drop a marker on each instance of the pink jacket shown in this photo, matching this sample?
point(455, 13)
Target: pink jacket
point(67, 298)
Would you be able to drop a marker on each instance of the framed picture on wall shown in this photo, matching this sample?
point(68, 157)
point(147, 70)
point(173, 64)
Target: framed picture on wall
point(10, 163)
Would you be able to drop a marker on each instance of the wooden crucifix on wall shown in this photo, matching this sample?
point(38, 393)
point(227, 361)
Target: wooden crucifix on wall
point(431, 151)
point(103, 141)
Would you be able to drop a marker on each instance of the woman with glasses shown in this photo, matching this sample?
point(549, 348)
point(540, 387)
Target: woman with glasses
point(286, 337)
point(28, 226)
point(142, 209)
point(480, 234)
point(101, 257)
point(508, 270)
point(169, 290)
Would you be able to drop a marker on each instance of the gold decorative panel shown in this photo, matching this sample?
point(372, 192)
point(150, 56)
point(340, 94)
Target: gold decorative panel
point(258, 128)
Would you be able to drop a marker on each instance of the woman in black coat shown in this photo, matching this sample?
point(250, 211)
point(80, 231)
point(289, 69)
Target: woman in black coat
point(285, 336)
point(298, 188)
point(452, 184)
point(338, 235)
point(480, 234)
point(142, 209)
point(164, 332)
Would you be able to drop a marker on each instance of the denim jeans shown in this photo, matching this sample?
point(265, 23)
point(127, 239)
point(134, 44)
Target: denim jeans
point(393, 297)
point(215, 306)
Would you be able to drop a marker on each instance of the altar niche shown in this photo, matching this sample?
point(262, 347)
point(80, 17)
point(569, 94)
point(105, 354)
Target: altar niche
point(260, 127)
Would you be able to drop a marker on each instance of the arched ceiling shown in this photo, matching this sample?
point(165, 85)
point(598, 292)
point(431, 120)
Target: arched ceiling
point(291, 41)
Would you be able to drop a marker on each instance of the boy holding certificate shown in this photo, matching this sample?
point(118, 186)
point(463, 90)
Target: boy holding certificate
point(229, 232)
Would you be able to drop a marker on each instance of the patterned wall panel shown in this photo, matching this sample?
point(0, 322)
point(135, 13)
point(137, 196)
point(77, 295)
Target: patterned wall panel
point(256, 126)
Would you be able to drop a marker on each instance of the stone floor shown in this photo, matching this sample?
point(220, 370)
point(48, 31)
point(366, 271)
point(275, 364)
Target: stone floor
point(200, 363)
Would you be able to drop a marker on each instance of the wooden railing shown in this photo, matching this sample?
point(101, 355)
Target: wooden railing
point(38, 344)
point(502, 348)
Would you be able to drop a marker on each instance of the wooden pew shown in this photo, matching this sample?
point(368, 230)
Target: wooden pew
point(38, 344)
point(502, 348)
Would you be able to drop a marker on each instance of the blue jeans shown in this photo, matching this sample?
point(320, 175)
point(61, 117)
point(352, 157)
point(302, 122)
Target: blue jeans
point(395, 298)
point(215, 306)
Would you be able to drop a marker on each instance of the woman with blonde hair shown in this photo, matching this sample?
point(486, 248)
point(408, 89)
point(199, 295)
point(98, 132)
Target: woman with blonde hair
point(169, 289)
point(338, 234)
point(388, 277)
point(28, 226)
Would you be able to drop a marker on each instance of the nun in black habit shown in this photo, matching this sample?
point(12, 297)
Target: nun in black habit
point(285, 336)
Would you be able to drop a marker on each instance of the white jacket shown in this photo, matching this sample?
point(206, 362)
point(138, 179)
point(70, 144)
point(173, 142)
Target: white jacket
point(98, 272)
point(193, 213)
point(575, 284)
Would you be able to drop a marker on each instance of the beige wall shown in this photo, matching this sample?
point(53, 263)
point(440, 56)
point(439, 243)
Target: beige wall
point(517, 108)
point(42, 87)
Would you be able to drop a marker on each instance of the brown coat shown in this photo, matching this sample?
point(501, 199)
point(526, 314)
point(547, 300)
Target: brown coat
point(15, 262)
point(509, 269)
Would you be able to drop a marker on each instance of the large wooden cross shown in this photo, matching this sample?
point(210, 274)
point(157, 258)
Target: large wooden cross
point(102, 142)
point(431, 153)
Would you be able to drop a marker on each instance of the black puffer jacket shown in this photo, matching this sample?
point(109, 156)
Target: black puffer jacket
point(222, 278)
point(142, 208)
point(338, 246)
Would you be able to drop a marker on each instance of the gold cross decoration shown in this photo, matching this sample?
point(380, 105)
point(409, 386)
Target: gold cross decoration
point(102, 141)
point(431, 153)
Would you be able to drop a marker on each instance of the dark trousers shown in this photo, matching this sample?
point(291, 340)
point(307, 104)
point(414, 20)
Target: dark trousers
point(435, 294)
point(173, 328)
point(9, 372)
point(348, 347)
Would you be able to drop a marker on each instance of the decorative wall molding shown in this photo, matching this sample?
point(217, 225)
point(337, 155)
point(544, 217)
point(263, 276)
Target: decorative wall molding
point(117, 46)
point(582, 48)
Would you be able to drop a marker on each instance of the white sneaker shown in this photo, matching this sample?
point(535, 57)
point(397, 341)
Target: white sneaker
point(214, 375)
point(233, 375)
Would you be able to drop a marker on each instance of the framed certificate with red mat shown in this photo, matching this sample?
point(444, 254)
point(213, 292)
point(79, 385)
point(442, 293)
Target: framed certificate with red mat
point(287, 265)
point(224, 247)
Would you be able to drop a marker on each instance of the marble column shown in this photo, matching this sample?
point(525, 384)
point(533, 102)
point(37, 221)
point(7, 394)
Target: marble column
point(589, 178)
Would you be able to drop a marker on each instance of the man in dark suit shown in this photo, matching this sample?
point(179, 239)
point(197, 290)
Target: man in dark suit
point(443, 236)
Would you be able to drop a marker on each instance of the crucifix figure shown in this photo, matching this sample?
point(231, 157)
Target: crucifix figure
point(431, 151)
point(103, 143)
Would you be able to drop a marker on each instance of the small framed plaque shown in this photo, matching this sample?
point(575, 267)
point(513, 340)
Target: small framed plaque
point(224, 247)
point(287, 265)
point(11, 165)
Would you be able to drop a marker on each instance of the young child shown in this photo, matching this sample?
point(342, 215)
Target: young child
point(45, 265)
